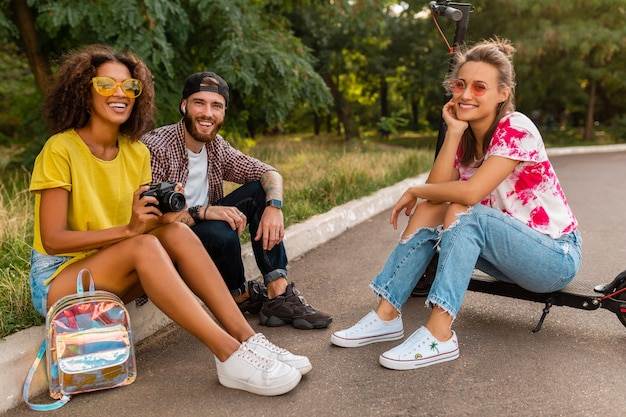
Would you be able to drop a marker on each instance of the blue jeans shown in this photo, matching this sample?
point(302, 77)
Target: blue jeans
point(41, 268)
point(223, 245)
point(485, 239)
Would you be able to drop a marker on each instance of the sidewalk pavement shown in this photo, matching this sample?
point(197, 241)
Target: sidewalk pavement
point(504, 369)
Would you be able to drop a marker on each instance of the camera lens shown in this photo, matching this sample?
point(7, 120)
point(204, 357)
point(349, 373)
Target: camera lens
point(173, 201)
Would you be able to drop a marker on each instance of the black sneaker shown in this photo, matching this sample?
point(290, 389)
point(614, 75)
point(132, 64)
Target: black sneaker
point(257, 296)
point(292, 308)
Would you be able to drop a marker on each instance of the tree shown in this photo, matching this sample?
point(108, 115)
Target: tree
point(39, 63)
point(371, 59)
point(421, 60)
point(268, 69)
point(271, 71)
point(566, 49)
point(340, 34)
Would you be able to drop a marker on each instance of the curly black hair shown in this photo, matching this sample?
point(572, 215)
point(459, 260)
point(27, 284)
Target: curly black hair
point(67, 101)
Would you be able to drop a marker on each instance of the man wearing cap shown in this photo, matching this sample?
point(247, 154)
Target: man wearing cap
point(193, 153)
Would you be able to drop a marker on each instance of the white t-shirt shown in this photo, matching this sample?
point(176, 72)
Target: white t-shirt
point(532, 192)
point(197, 186)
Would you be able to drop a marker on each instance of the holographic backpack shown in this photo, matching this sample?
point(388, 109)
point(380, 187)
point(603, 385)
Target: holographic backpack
point(88, 345)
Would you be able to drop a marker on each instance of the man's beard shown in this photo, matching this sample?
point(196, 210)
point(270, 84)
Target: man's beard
point(190, 125)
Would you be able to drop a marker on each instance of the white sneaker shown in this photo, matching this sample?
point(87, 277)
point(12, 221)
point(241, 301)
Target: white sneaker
point(420, 349)
point(260, 344)
point(250, 371)
point(370, 329)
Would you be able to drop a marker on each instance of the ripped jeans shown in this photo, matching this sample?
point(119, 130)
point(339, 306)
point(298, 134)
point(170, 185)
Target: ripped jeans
point(484, 239)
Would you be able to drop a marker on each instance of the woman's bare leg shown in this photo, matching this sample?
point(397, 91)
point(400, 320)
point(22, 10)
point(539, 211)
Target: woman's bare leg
point(143, 260)
point(426, 214)
point(203, 278)
point(440, 324)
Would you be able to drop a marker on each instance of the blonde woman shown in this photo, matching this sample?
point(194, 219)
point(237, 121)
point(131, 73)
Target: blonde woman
point(492, 201)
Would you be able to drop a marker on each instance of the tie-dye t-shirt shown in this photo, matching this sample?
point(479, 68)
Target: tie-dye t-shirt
point(532, 192)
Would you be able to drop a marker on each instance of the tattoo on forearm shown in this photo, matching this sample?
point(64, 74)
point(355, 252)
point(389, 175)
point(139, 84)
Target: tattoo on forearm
point(186, 218)
point(272, 183)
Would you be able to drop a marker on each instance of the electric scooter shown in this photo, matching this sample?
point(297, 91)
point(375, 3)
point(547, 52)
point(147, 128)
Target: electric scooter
point(578, 294)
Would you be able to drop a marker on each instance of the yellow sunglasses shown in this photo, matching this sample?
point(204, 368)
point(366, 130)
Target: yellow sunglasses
point(106, 86)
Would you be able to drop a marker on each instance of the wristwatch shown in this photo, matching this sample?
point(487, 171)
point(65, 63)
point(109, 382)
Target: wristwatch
point(274, 203)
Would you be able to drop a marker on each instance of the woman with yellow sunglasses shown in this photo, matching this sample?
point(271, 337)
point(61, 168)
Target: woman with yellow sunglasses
point(88, 182)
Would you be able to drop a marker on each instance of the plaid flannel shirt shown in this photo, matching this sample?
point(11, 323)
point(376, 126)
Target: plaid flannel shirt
point(170, 161)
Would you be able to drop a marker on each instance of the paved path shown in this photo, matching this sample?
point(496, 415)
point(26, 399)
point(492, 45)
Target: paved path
point(574, 366)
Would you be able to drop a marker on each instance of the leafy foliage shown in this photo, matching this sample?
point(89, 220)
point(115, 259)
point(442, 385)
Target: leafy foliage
point(269, 70)
point(20, 119)
point(563, 48)
point(377, 57)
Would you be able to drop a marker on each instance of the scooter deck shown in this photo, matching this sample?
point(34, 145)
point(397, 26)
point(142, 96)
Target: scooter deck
point(582, 286)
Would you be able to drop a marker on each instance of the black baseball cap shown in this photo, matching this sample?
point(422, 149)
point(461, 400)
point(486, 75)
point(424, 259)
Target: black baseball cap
point(193, 85)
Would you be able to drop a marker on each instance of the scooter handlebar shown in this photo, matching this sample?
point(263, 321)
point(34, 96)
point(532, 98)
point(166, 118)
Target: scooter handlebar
point(442, 9)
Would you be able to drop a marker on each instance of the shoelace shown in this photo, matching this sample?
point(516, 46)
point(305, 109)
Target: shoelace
point(412, 339)
point(262, 340)
point(254, 358)
point(364, 322)
point(255, 290)
point(296, 295)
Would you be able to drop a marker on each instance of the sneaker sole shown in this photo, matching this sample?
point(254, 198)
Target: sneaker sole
point(265, 391)
point(273, 321)
point(351, 343)
point(399, 365)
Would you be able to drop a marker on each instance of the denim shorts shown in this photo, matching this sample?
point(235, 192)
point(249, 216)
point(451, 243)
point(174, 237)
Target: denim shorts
point(43, 267)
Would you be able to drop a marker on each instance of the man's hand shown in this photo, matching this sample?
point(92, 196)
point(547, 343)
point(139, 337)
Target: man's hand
point(271, 228)
point(231, 215)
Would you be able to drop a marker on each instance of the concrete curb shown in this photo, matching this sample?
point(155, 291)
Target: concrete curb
point(18, 350)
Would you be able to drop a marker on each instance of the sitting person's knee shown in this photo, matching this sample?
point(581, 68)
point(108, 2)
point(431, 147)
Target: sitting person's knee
point(452, 213)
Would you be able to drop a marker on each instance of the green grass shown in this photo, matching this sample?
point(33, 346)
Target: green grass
point(16, 208)
point(319, 172)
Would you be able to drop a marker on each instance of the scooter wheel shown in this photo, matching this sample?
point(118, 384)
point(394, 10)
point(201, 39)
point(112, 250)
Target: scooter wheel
point(422, 288)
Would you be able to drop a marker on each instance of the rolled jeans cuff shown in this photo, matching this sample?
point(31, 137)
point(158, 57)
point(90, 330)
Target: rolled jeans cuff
point(382, 293)
point(274, 275)
point(433, 300)
point(239, 291)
